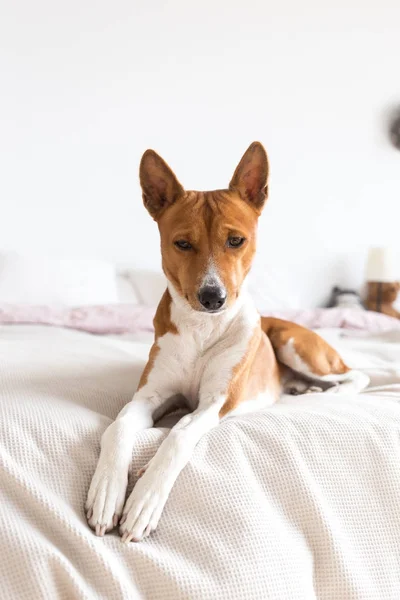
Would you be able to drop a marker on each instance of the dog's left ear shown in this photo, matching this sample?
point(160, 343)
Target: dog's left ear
point(250, 179)
point(159, 184)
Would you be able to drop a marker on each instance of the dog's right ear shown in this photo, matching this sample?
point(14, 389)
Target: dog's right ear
point(160, 187)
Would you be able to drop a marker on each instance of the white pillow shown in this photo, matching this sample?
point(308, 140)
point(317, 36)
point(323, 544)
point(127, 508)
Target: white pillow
point(149, 285)
point(29, 279)
point(272, 287)
point(126, 291)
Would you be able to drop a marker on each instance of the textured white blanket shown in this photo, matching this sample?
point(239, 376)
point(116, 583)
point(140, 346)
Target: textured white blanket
point(301, 501)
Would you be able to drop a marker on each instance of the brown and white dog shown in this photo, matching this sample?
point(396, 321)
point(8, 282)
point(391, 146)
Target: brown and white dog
point(211, 346)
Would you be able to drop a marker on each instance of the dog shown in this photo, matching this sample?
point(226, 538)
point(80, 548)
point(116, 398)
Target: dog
point(211, 346)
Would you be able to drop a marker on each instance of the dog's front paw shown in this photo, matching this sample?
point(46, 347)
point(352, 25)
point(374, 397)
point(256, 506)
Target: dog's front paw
point(106, 496)
point(143, 508)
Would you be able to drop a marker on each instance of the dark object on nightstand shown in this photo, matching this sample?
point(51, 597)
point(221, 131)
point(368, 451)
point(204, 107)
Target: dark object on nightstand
point(344, 299)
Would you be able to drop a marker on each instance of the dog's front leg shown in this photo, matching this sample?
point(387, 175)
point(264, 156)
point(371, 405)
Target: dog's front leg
point(144, 506)
point(107, 490)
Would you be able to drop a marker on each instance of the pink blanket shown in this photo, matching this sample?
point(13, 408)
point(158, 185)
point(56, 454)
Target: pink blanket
point(128, 318)
point(343, 318)
point(101, 319)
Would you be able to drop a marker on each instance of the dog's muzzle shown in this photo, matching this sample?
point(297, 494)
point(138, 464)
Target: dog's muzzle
point(212, 298)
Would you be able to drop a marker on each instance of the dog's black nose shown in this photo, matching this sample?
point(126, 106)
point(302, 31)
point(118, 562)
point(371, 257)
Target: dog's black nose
point(212, 297)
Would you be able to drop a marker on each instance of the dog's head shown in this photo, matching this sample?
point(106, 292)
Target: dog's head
point(208, 239)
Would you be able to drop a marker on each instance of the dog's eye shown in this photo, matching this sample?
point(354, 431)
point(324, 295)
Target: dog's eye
point(235, 242)
point(183, 245)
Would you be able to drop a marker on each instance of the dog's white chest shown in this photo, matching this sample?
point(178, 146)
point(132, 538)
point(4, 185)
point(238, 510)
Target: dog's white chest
point(184, 359)
point(204, 352)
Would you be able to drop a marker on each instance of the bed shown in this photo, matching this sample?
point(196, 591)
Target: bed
point(300, 501)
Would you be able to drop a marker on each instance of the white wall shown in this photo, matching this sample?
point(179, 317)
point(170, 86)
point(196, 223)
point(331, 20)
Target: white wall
point(87, 86)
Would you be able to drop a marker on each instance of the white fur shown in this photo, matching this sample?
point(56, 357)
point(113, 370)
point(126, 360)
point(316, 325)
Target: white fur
point(196, 363)
point(211, 277)
point(288, 356)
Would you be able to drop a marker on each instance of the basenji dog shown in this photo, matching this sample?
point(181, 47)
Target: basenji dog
point(211, 347)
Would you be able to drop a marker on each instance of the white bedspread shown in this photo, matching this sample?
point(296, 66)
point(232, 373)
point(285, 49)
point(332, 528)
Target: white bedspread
point(301, 501)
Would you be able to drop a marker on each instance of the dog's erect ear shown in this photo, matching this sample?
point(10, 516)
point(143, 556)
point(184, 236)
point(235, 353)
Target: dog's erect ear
point(160, 187)
point(250, 179)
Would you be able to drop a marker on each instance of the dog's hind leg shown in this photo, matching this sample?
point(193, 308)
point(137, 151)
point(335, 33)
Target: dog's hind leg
point(310, 359)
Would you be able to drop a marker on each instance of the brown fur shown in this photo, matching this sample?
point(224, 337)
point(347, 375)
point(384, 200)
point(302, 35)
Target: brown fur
point(162, 325)
point(381, 297)
point(206, 220)
point(162, 321)
point(258, 370)
point(320, 357)
point(250, 179)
